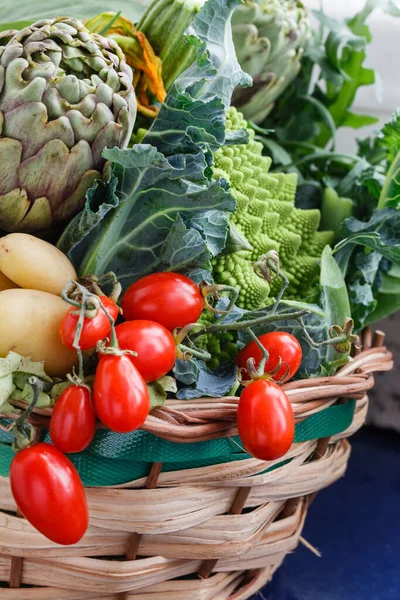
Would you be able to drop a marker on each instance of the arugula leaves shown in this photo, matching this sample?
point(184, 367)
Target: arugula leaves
point(369, 257)
point(389, 139)
point(163, 209)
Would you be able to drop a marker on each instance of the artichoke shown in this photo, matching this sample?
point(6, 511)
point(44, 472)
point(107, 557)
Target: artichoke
point(65, 95)
point(269, 37)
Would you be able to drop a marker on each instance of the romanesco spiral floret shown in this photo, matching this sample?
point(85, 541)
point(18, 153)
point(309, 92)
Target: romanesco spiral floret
point(266, 216)
point(222, 347)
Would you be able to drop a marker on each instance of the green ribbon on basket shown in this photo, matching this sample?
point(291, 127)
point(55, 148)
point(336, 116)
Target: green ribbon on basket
point(114, 458)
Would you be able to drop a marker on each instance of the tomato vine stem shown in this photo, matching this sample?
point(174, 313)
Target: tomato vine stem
point(24, 433)
point(238, 326)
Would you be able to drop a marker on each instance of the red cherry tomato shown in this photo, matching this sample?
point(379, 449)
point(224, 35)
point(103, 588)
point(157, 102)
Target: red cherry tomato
point(279, 345)
point(154, 344)
point(167, 298)
point(93, 330)
point(120, 396)
point(48, 491)
point(265, 420)
point(73, 422)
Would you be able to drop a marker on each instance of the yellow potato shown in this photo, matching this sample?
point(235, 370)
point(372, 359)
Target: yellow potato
point(34, 264)
point(29, 323)
point(5, 283)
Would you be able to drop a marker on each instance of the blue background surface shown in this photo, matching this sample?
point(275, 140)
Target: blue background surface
point(356, 525)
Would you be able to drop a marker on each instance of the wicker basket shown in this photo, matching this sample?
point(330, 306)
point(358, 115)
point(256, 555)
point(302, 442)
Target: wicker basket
point(217, 532)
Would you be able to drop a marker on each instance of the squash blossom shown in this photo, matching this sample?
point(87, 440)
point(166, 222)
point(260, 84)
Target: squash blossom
point(148, 82)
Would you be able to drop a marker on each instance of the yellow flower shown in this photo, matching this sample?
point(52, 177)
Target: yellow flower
point(148, 82)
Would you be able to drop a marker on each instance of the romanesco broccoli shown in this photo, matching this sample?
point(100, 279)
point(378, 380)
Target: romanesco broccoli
point(222, 347)
point(266, 216)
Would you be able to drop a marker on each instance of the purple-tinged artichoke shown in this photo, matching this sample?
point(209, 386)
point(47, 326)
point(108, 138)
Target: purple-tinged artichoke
point(65, 95)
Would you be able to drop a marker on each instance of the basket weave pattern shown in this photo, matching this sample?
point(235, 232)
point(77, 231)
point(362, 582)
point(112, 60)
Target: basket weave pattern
point(227, 526)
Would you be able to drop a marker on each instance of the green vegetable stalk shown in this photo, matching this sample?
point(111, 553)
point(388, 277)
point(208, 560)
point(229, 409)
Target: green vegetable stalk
point(164, 24)
point(269, 38)
point(335, 210)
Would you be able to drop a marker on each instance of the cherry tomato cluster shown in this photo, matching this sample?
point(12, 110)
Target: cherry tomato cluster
point(152, 307)
point(46, 486)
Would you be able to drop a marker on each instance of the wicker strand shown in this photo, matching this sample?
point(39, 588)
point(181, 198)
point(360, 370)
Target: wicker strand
point(16, 563)
point(16, 572)
point(151, 484)
point(135, 538)
point(367, 338)
point(378, 339)
point(238, 505)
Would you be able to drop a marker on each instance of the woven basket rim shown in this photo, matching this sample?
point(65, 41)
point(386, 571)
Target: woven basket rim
point(203, 419)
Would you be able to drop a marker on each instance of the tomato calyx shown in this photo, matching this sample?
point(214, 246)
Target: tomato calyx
point(188, 350)
point(94, 285)
point(212, 293)
point(343, 337)
point(111, 348)
point(251, 373)
point(78, 381)
point(246, 376)
point(87, 303)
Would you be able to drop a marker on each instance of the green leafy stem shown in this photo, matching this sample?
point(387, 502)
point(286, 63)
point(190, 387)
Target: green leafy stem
point(340, 338)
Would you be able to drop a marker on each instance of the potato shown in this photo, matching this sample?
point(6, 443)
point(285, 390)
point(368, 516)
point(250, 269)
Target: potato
point(29, 323)
point(5, 283)
point(34, 264)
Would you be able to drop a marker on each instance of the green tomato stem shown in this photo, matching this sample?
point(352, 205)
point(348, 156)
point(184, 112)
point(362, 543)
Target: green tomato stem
point(194, 352)
point(347, 337)
point(264, 320)
point(89, 307)
point(285, 284)
point(215, 290)
point(265, 353)
point(23, 432)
